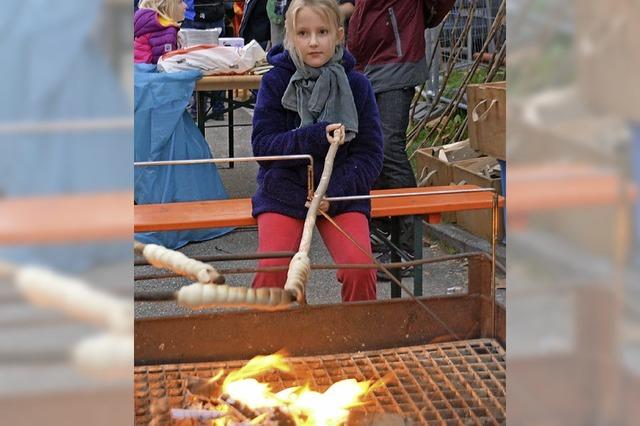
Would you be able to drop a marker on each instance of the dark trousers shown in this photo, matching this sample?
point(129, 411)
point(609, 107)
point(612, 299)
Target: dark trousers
point(394, 106)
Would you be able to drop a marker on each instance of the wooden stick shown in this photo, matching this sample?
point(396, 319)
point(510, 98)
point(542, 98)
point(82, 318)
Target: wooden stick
point(300, 265)
point(162, 257)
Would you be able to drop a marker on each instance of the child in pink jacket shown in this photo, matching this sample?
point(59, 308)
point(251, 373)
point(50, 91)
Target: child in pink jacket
point(155, 29)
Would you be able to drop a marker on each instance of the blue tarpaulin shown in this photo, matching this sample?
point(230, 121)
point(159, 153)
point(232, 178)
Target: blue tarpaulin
point(164, 130)
point(66, 121)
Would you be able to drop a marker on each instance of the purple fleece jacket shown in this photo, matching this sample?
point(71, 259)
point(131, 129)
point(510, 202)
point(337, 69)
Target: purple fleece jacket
point(282, 185)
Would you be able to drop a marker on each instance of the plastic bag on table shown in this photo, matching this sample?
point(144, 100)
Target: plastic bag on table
point(213, 59)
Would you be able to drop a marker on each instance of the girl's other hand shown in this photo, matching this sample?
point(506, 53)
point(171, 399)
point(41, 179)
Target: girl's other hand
point(324, 205)
point(335, 133)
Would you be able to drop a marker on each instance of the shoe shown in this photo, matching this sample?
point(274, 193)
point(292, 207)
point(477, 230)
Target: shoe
point(217, 116)
point(385, 257)
point(378, 245)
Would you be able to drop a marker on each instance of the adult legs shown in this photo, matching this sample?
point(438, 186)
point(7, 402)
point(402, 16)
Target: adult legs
point(357, 284)
point(394, 108)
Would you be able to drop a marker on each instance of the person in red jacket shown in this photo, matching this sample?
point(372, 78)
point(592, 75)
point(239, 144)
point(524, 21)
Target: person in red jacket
point(387, 40)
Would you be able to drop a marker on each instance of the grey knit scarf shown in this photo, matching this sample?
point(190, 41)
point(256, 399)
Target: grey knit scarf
point(322, 94)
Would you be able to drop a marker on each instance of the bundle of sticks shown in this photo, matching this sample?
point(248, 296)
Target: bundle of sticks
point(205, 401)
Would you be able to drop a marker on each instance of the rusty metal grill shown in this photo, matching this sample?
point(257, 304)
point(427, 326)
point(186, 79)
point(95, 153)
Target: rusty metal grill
point(453, 383)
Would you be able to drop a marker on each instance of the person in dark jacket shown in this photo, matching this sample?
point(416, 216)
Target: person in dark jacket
point(255, 23)
point(387, 40)
point(313, 66)
point(202, 15)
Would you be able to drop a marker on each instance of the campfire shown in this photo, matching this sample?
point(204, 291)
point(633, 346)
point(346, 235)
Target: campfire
point(414, 371)
point(241, 399)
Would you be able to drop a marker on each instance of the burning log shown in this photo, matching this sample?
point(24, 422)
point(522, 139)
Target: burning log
point(239, 407)
point(162, 257)
point(194, 414)
point(205, 388)
point(275, 416)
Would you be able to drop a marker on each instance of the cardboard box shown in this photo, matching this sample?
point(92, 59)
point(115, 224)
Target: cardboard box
point(487, 109)
point(478, 222)
point(434, 166)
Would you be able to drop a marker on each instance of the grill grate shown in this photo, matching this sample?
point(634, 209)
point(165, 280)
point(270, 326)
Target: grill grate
point(453, 383)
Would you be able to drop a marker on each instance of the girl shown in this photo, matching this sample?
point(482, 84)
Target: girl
point(312, 91)
point(155, 28)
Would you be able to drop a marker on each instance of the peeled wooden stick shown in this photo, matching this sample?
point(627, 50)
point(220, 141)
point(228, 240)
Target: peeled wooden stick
point(162, 257)
point(300, 265)
point(198, 295)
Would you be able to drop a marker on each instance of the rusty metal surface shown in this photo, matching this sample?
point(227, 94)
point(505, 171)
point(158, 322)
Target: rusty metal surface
point(322, 329)
point(310, 330)
point(461, 382)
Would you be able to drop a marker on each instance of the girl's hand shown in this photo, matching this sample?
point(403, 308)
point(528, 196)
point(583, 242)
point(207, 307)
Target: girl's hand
point(335, 133)
point(324, 205)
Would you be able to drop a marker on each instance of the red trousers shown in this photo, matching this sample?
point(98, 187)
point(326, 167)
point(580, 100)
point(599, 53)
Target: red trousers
point(278, 232)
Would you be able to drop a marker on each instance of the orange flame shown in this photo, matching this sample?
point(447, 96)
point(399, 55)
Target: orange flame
point(307, 407)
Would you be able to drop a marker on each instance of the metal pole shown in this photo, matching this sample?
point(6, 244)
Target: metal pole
point(223, 160)
point(396, 291)
point(494, 237)
point(326, 266)
point(408, 194)
point(200, 111)
point(231, 132)
point(231, 257)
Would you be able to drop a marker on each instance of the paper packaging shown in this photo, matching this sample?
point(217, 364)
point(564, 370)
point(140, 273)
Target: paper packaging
point(487, 106)
point(188, 37)
point(434, 166)
point(472, 172)
point(231, 41)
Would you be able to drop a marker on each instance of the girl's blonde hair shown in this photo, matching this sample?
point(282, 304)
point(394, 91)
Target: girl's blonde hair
point(167, 8)
point(328, 8)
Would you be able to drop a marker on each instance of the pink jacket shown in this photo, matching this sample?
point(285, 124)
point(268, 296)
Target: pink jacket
point(153, 36)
